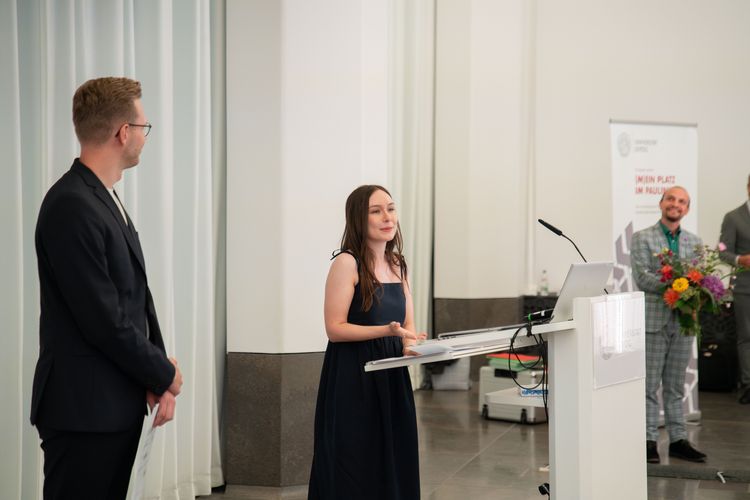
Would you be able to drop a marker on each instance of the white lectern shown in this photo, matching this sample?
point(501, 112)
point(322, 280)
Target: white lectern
point(597, 428)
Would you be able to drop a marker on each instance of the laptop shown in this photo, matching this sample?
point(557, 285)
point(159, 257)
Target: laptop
point(585, 279)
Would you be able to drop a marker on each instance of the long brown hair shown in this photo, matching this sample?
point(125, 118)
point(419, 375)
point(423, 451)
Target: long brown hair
point(354, 241)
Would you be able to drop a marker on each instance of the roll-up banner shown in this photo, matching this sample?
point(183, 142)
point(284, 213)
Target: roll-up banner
point(647, 159)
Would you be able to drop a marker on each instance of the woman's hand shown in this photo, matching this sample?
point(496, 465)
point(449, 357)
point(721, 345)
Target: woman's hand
point(409, 342)
point(399, 331)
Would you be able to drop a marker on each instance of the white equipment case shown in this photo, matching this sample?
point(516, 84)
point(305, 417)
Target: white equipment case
point(500, 399)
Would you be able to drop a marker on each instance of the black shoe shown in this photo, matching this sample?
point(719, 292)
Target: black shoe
point(684, 450)
point(652, 454)
point(745, 398)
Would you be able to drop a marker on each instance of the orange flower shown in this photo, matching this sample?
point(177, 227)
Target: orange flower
point(695, 276)
point(671, 297)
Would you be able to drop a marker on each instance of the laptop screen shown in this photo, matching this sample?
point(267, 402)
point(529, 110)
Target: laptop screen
point(585, 279)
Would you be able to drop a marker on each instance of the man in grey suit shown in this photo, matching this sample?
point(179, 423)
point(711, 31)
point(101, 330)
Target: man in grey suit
point(735, 235)
point(667, 350)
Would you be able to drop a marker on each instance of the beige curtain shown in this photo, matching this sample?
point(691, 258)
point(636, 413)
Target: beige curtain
point(47, 49)
point(412, 116)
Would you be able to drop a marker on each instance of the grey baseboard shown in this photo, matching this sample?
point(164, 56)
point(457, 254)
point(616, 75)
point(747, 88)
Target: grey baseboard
point(268, 418)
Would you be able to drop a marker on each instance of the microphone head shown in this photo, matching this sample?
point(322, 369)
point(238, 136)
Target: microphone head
point(550, 227)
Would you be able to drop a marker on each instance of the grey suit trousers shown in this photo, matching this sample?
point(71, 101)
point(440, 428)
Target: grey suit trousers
point(742, 322)
point(667, 356)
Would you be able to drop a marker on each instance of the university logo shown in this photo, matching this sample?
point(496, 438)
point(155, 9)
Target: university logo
point(623, 144)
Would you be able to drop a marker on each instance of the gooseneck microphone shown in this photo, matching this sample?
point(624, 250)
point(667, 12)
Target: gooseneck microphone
point(560, 233)
point(551, 228)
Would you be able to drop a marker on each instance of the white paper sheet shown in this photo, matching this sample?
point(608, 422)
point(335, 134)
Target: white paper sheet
point(141, 462)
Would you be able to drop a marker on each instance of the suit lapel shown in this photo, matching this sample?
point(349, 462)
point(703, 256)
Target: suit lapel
point(130, 233)
point(683, 244)
point(659, 237)
point(101, 192)
point(743, 215)
point(138, 250)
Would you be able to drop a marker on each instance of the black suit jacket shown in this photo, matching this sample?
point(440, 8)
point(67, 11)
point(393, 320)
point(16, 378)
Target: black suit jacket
point(100, 342)
point(735, 234)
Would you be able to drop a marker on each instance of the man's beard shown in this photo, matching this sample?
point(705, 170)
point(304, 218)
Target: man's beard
point(132, 158)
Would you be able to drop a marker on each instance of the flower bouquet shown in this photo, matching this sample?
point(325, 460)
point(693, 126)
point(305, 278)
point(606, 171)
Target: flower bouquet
point(693, 285)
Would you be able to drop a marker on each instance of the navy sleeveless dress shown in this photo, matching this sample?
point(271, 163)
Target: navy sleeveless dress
point(366, 445)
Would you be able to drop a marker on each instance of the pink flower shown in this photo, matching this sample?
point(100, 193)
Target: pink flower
point(722, 246)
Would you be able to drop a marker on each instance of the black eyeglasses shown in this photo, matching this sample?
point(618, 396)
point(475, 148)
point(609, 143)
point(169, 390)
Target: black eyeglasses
point(146, 127)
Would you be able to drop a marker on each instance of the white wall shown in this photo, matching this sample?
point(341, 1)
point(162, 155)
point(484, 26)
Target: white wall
point(671, 61)
point(674, 61)
point(524, 93)
point(307, 122)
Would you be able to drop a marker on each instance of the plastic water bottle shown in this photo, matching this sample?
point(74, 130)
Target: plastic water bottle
point(543, 284)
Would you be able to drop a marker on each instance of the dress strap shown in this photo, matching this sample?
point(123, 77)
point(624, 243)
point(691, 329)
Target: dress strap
point(338, 252)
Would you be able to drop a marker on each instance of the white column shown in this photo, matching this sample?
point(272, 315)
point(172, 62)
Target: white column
point(481, 147)
point(307, 122)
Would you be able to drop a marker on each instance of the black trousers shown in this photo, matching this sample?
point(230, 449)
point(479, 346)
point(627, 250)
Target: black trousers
point(88, 465)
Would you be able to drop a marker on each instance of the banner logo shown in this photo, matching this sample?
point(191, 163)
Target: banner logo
point(623, 144)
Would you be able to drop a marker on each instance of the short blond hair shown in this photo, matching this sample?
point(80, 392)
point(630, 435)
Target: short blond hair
point(101, 105)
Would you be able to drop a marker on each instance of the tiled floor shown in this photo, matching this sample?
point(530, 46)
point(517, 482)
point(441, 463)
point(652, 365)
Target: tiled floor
point(464, 457)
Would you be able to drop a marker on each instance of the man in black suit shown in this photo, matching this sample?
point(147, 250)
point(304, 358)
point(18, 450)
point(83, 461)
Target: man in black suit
point(735, 235)
point(101, 358)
